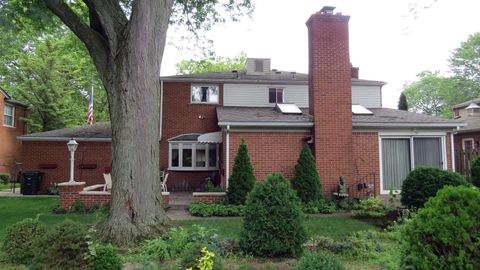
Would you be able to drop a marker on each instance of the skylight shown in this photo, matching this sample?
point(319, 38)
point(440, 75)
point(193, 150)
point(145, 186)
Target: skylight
point(359, 109)
point(288, 108)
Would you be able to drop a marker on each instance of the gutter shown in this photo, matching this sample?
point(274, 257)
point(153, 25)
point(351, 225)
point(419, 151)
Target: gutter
point(61, 139)
point(409, 125)
point(161, 111)
point(452, 150)
point(266, 124)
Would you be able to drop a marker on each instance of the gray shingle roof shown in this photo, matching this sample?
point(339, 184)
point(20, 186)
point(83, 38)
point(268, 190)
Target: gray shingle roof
point(280, 77)
point(98, 131)
point(473, 124)
point(385, 117)
point(260, 116)
point(466, 103)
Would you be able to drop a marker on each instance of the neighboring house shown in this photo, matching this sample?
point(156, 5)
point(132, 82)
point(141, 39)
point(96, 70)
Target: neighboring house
point(204, 117)
point(11, 127)
point(467, 139)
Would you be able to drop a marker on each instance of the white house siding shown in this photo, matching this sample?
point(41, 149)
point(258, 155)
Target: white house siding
point(368, 96)
point(256, 95)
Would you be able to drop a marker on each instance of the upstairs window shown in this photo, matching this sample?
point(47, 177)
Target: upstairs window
point(205, 94)
point(275, 95)
point(9, 115)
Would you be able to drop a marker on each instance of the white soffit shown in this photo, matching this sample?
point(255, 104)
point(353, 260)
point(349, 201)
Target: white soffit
point(359, 109)
point(213, 137)
point(288, 108)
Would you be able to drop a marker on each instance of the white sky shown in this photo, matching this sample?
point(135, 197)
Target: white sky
point(387, 41)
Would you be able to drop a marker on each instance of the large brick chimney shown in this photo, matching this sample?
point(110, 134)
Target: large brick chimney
point(330, 96)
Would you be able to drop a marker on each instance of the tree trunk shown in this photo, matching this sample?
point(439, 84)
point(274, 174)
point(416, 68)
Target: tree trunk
point(133, 90)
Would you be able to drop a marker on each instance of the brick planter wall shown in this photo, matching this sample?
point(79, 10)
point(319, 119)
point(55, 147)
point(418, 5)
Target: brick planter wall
point(70, 192)
point(209, 197)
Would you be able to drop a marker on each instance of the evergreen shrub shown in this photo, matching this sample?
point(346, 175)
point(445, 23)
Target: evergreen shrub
point(475, 171)
point(424, 182)
point(445, 233)
point(273, 222)
point(306, 180)
point(105, 257)
point(242, 179)
point(19, 239)
point(318, 261)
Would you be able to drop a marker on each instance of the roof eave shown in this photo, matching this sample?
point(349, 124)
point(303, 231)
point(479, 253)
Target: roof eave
point(409, 125)
point(60, 139)
point(265, 124)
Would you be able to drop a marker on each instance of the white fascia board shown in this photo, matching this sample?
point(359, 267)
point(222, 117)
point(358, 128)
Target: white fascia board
point(266, 124)
point(410, 125)
point(61, 139)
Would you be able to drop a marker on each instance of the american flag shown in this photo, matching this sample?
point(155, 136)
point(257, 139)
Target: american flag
point(90, 110)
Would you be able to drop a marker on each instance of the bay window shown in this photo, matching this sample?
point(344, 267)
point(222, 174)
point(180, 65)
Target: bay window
point(193, 156)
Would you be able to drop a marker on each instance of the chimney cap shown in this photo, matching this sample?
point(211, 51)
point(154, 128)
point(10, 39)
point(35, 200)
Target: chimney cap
point(327, 10)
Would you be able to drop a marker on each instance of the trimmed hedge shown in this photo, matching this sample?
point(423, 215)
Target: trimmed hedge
point(202, 209)
point(19, 240)
point(273, 224)
point(445, 233)
point(424, 182)
point(242, 179)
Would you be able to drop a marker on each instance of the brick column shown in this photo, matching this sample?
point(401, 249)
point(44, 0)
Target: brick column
point(69, 193)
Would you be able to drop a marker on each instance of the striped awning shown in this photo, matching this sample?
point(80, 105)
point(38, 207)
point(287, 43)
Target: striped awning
point(212, 137)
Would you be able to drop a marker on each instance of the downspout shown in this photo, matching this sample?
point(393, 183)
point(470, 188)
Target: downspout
point(452, 149)
point(227, 169)
point(161, 111)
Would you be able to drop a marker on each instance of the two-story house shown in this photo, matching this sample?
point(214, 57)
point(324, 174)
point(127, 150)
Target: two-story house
point(204, 117)
point(11, 127)
point(467, 139)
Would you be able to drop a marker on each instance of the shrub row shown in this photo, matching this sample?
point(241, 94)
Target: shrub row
point(215, 209)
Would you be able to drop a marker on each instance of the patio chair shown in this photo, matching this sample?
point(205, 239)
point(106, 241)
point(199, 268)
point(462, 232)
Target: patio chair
point(164, 183)
point(107, 186)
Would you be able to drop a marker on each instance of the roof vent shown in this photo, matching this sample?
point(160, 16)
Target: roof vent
point(359, 109)
point(472, 109)
point(236, 73)
point(257, 65)
point(293, 74)
point(327, 10)
point(288, 108)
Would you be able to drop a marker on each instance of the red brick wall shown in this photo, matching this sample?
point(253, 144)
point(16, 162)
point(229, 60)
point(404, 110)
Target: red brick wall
point(37, 153)
point(208, 198)
point(365, 154)
point(180, 116)
point(269, 151)
point(10, 147)
point(459, 147)
point(330, 97)
point(448, 144)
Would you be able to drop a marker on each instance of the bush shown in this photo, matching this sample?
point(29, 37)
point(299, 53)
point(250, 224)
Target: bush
point(320, 206)
point(242, 179)
point(273, 223)
point(475, 171)
point(306, 180)
point(105, 257)
point(424, 182)
point(154, 250)
point(4, 177)
point(63, 247)
point(445, 233)
point(215, 209)
point(212, 188)
point(199, 257)
point(358, 245)
point(371, 208)
point(19, 239)
point(318, 261)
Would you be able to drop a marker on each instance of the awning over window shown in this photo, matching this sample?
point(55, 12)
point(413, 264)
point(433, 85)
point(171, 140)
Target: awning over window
point(213, 137)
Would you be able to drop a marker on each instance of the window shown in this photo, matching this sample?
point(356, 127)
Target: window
point(192, 156)
point(401, 155)
point(9, 116)
point(205, 94)
point(275, 95)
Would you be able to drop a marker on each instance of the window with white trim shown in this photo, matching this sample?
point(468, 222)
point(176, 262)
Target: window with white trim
point(275, 95)
point(193, 156)
point(205, 94)
point(9, 115)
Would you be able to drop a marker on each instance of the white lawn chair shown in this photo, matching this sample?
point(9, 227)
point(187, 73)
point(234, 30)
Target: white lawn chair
point(107, 186)
point(164, 183)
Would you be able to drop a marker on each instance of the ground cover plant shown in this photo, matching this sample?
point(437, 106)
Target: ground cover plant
point(202, 209)
point(424, 182)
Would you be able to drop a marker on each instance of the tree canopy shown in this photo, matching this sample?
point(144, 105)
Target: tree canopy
point(211, 64)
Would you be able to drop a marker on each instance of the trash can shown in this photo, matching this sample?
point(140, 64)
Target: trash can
point(31, 181)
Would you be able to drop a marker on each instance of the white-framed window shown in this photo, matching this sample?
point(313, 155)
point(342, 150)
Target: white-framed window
point(401, 154)
point(205, 94)
point(192, 156)
point(9, 115)
point(275, 95)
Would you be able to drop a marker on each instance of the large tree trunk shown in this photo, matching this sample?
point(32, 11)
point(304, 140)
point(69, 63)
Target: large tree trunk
point(127, 54)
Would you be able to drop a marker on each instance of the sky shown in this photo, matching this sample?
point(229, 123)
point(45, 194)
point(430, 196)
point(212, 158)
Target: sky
point(388, 41)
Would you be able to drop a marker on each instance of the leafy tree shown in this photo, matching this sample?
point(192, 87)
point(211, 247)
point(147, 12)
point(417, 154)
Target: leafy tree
point(465, 63)
point(211, 64)
point(242, 179)
point(402, 102)
point(126, 40)
point(306, 180)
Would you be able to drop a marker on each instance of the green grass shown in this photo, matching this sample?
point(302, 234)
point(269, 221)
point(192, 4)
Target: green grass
point(16, 209)
point(334, 227)
point(7, 186)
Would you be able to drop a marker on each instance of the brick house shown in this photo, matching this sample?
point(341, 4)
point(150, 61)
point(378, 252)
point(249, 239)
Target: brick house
point(467, 139)
point(12, 126)
point(204, 117)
